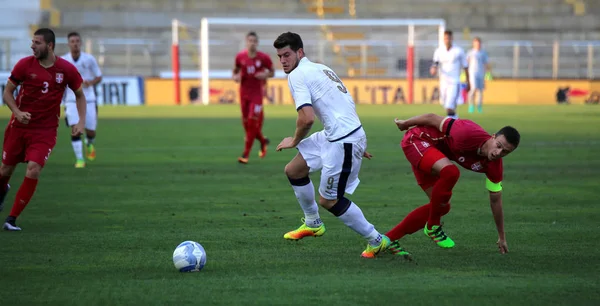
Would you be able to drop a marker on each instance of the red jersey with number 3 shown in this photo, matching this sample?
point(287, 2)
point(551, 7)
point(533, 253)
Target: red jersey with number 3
point(460, 142)
point(250, 86)
point(42, 90)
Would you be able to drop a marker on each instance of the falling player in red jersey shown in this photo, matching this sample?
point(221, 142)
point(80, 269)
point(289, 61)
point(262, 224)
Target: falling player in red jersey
point(430, 147)
point(252, 68)
point(31, 132)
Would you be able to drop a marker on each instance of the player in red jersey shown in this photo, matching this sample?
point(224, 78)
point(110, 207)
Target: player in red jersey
point(31, 132)
point(430, 147)
point(252, 69)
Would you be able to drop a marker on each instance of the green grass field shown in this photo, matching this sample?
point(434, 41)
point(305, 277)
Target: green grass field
point(105, 235)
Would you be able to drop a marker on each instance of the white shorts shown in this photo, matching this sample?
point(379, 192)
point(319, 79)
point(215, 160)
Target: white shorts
point(339, 162)
point(91, 115)
point(450, 95)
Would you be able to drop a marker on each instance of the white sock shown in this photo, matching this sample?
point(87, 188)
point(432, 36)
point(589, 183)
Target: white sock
point(306, 197)
point(78, 149)
point(354, 219)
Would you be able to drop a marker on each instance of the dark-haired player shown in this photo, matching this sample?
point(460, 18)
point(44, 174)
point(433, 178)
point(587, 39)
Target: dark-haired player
point(337, 150)
point(430, 147)
point(87, 66)
point(448, 61)
point(30, 134)
point(252, 68)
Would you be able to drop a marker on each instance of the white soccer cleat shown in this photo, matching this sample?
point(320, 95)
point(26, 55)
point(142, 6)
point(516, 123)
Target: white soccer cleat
point(9, 227)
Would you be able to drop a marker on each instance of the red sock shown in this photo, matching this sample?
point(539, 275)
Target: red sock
point(259, 135)
point(245, 124)
point(441, 194)
point(250, 136)
point(23, 196)
point(413, 222)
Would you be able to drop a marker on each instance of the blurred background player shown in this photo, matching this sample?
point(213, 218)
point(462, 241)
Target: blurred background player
point(87, 66)
point(252, 68)
point(448, 60)
point(31, 132)
point(461, 141)
point(477, 60)
point(337, 150)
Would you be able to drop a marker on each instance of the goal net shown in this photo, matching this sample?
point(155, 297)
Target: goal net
point(356, 49)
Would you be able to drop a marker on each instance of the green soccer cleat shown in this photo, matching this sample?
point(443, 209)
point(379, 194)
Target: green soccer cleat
point(471, 109)
point(438, 236)
point(80, 163)
point(305, 231)
point(397, 250)
point(91, 152)
point(372, 251)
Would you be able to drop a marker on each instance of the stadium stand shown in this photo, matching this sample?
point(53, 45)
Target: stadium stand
point(147, 26)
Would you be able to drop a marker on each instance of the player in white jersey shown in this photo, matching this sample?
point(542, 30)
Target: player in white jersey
point(337, 150)
point(448, 60)
point(90, 72)
point(478, 62)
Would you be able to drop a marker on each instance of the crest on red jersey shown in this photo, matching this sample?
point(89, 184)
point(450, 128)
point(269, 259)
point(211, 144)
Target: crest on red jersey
point(476, 166)
point(59, 78)
point(257, 63)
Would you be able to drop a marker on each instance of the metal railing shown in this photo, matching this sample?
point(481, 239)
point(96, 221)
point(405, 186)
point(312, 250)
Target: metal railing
point(509, 59)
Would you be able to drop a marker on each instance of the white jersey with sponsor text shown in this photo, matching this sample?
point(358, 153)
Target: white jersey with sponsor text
point(88, 68)
point(318, 86)
point(450, 63)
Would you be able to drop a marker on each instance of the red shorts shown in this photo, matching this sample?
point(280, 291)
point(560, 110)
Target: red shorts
point(252, 107)
point(422, 155)
point(24, 145)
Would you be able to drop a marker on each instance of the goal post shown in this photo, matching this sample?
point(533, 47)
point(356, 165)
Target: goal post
point(185, 54)
point(175, 60)
point(388, 42)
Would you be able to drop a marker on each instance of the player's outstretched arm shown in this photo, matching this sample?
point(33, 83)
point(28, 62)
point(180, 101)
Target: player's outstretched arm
point(97, 74)
point(265, 74)
point(422, 120)
point(235, 73)
point(93, 82)
point(81, 103)
point(9, 100)
point(306, 118)
point(497, 211)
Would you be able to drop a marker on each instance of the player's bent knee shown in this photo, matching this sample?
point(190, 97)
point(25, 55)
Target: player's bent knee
point(450, 173)
point(445, 209)
point(33, 170)
point(291, 172)
point(434, 162)
point(7, 170)
point(296, 170)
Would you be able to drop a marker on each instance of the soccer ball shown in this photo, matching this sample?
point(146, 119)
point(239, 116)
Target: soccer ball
point(189, 256)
